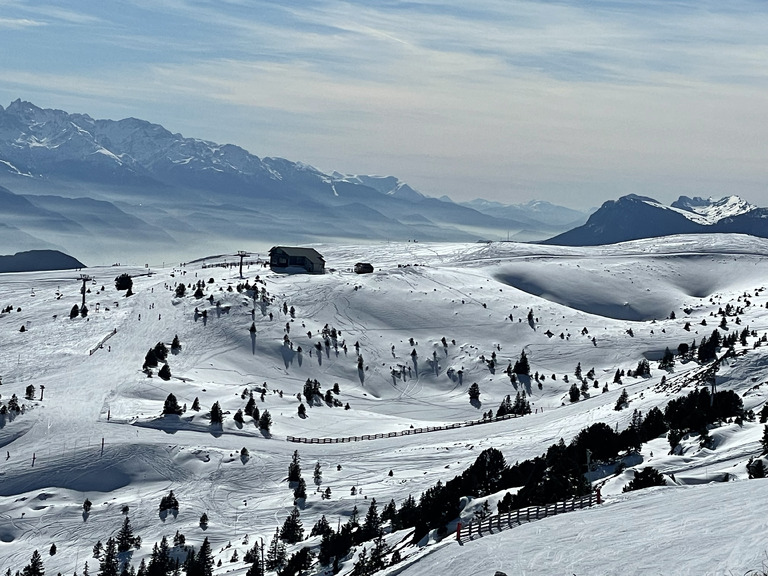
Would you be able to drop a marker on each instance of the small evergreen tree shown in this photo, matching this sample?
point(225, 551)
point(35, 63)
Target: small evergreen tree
point(123, 282)
point(181, 290)
point(522, 366)
point(318, 474)
point(175, 344)
point(126, 539)
point(35, 566)
point(204, 520)
point(217, 416)
point(573, 393)
point(171, 405)
point(165, 372)
point(109, 565)
point(292, 530)
point(300, 492)
point(646, 478)
point(75, 312)
point(238, 417)
point(622, 401)
point(474, 391)
point(265, 421)
point(196, 404)
point(275, 553)
point(294, 468)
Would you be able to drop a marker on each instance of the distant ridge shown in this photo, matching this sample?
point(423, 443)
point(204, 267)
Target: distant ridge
point(142, 191)
point(38, 260)
point(635, 217)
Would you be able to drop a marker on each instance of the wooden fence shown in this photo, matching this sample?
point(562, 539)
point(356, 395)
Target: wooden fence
point(101, 342)
point(499, 522)
point(406, 432)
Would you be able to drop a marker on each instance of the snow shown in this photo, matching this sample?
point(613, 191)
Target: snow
point(710, 211)
point(698, 524)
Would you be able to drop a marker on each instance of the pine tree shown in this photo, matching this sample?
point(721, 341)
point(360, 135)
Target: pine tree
point(35, 566)
point(622, 401)
point(125, 537)
point(372, 523)
point(474, 391)
point(171, 405)
point(150, 360)
point(265, 421)
point(522, 366)
point(573, 393)
point(204, 559)
point(275, 553)
point(318, 475)
point(196, 404)
point(98, 550)
point(292, 530)
point(165, 372)
point(238, 417)
point(321, 527)
point(294, 468)
point(109, 561)
point(204, 521)
point(175, 344)
point(379, 551)
point(217, 416)
point(250, 406)
point(577, 372)
point(75, 312)
point(764, 440)
point(300, 492)
point(521, 405)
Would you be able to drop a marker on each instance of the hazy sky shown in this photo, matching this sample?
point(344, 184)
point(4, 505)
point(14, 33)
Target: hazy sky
point(566, 101)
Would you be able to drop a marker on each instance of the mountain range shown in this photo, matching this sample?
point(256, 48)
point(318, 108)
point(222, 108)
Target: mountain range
point(634, 217)
point(97, 188)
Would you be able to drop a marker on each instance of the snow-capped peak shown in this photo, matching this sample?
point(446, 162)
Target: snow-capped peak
point(711, 210)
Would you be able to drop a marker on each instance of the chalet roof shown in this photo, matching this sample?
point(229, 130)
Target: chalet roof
point(310, 253)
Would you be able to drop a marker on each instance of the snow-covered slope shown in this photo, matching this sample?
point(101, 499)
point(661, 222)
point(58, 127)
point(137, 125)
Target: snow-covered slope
point(98, 432)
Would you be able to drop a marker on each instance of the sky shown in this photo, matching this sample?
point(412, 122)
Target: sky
point(571, 102)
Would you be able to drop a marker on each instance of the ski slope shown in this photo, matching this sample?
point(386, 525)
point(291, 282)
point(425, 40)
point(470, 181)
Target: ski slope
point(464, 293)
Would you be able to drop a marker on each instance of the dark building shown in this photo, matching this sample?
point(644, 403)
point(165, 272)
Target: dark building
point(282, 258)
point(363, 268)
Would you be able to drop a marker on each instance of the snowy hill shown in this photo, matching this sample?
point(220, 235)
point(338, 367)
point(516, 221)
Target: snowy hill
point(128, 180)
point(96, 431)
point(633, 217)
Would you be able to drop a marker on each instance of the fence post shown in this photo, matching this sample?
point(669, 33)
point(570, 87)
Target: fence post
point(599, 497)
point(458, 532)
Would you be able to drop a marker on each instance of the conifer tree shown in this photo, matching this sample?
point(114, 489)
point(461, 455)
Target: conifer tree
point(318, 474)
point(372, 523)
point(217, 416)
point(292, 530)
point(204, 560)
point(109, 561)
point(300, 492)
point(265, 421)
point(275, 553)
point(165, 372)
point(35, 566)
point(522, 366)
point(126, 538)
point(622, 401)
point(171, 405)
point(294, 468)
